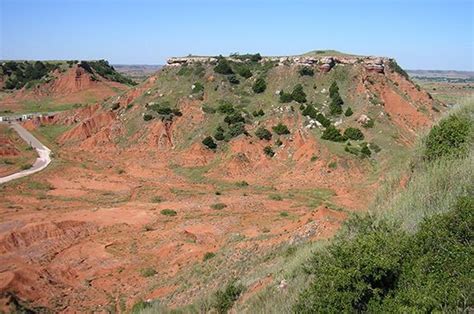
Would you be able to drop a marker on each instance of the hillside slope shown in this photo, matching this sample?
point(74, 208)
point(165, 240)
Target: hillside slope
point(201, 173)
point(57, 85)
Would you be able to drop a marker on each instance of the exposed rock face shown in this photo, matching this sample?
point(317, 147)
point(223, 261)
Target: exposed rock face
point(325, 64)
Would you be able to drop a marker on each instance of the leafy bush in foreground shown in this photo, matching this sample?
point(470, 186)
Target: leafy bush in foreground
point(224, 299)
point(223, 67)
point(448, 138)
point(298, 94)
point(379, 268)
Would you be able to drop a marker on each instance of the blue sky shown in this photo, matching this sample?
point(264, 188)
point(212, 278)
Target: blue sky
point(424, 34)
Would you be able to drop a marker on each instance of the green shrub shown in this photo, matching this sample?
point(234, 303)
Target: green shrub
point(234, 118)
point(310, 111)
point(219, 134)
point(148, 272)
point(323, 120)
point(354, 134)
point(376, 267)
point(115, 106)
point(25, 166)
point(226, 108)
point(223, 66)
point(365, 151)
point(298, 94)
point(263, 134)
point(259, 86)
point(244, 72)
point(209, 142)
point(449, 138)
point(197, 87)
point(208, 256)
point(147, 117)
point(278, 142)
point(285, 97)
point(235, 130)
point(242, 184)
point(281, 129)
point(275, 197)
point(156, 199)
point(333, 89)
point(224, 299)
point(233, 79)
point(348, 112)
point(258, 113)
point(332, 165)
point(332, 134)
point(369, 123)
point(268, 151)
point(335, 106)
point(168, 212)
point(394, 67)
point(306, 71)
point(284, 214)
point(218, 206)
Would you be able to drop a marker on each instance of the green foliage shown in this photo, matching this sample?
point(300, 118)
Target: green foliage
point(234, 118)
point(223, 66)
point(148, 272)
point(209, 143)
point(394, 67)
point(197, 88)
point(365, 151)
point(104, 69)
point(235, 130)
point(24, 73)
point(259, 86)
point(354, 134)
point(219, 134)
point(348, 112)
point(310, 111)
point(298, 94)
point(333, 89)
point(263, 134)
point(449, 138)
point(323, 120)
point(218, 206)
point(224, 299)
point(165, 111)
point(332, 134)
point(225, 108)
point(258, 113)
point(369, 123)
point(285, 97)
point(280, 129)
point(208, 256)
point(233, 79)
point(147, 117)
point(242, 184)
point(376, 267)
point(168, 212)
point(275, 197)
point(306, 71)
point(244, 71)
point(335, 106)
point(284, 214)
point(267, 150)
point(156, 199)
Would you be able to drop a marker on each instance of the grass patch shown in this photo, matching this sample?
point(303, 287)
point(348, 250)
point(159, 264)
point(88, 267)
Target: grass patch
point(218, 206)
point(168, 212)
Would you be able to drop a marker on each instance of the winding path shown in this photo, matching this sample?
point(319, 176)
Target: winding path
point(41, 162)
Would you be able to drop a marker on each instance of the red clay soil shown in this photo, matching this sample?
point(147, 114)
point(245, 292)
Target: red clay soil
point(88, 233)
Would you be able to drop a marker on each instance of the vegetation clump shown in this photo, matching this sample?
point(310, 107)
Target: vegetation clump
point(306, 71)
point(348, 112)
point(333, 134)
point(298, 94)
point(259, 86)
point(209, 142)
point(268, 150)
point(223, 66)
point(281, 129)
point(449, 138)
point(104, 69)
point(168, 212)
point(354, 134)
point(224, 299)
point(263, 134)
